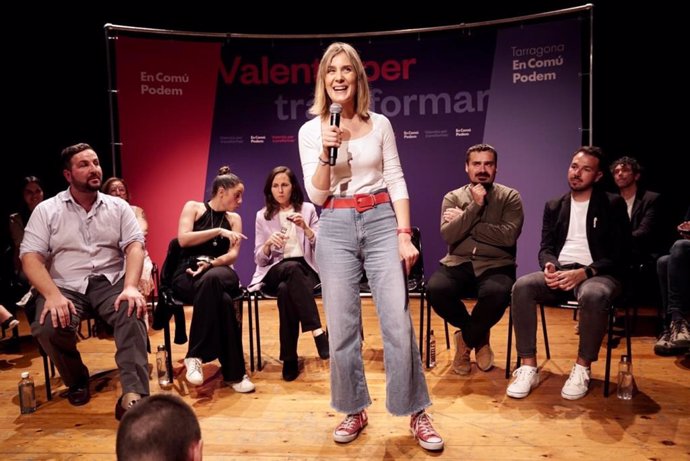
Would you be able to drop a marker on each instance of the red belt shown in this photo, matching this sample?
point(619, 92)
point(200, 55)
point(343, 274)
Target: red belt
point(360, 202)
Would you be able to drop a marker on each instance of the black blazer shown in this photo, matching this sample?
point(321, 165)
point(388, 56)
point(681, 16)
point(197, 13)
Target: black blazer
point(608, 232)
point(645, 220)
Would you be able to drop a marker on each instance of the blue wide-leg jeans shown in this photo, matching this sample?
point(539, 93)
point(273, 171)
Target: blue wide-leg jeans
point(349, 241)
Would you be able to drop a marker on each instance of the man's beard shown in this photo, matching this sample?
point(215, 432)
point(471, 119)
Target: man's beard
point(87, 186)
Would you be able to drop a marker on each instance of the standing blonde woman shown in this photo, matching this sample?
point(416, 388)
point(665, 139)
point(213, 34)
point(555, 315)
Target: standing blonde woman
point(364, 225)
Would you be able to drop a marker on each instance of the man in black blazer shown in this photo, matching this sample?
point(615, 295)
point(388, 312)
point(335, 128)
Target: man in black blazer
point(643, 210)
point(584, 248)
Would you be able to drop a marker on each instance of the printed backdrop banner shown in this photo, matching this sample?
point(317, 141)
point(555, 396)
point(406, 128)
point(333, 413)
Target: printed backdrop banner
point(188, 107)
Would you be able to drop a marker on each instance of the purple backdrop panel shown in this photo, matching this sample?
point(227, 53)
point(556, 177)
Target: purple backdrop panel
point(535, 118)
point(442, 91)
point(430, 88)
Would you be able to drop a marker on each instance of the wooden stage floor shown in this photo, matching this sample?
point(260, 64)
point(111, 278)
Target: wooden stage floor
point(294, 421)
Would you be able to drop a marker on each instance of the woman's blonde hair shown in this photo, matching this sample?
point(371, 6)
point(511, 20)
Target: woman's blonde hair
point(322, 101)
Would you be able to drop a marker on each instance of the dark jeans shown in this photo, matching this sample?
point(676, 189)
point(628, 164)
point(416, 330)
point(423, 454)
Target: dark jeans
point(449, 284)
point(595, 296)
point(216, 331)
point(130, 336)
point(674, 278)
point(293, 282)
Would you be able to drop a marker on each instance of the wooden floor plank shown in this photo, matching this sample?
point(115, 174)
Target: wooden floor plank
point(286, 421)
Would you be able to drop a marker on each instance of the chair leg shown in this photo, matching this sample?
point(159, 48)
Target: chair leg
point(428, 334)
point(628, 333)
point(257, 332)
point(168, 349)
point(250, 316)
point(609, 346)
point(545, 332)
point(445, 326)
point(49, 393)
point(509, 348)
point(421, 323)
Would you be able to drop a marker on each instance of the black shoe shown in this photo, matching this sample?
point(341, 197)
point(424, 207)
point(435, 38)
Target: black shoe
point(120, 410)
point(79, 394)
point(290, 370)
point(10, 323)
point(322, 345)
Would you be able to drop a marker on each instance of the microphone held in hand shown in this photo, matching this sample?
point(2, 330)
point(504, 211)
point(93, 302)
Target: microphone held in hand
point(335, 111)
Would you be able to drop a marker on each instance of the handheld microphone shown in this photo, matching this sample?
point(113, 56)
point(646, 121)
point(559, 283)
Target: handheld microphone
point(335, 111)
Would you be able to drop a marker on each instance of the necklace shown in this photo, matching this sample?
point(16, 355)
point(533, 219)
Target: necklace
point(220, 224)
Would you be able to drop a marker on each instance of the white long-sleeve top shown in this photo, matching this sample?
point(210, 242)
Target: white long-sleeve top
point(366, 164)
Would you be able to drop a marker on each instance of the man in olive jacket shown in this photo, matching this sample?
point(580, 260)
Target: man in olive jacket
point(480, 222)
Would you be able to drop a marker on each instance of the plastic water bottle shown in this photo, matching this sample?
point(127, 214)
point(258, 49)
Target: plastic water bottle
point(162, 367)
point(27, 394)
point(432, 350)
point(625, 379)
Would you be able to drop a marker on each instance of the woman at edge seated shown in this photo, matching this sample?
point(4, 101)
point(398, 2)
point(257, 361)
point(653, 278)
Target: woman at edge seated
point(7, 320)
point(117, 187)
point(285, 266)
point(210, 234)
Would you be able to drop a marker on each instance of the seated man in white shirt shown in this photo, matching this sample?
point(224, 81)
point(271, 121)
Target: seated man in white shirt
point(73, 253)
point(584, 247)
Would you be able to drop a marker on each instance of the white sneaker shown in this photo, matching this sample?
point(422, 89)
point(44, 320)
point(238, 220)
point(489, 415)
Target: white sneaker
point(195, 375)
point(577, 384)
point(244, 386)
point(680, 333)
point(526, 379)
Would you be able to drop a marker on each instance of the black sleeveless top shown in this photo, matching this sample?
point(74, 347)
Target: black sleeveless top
point(215, 247)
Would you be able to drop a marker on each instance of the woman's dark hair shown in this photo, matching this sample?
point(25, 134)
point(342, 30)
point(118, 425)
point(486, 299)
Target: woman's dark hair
point(225, 179)
point(29, 179)
point(24, 211)
point(296, 198)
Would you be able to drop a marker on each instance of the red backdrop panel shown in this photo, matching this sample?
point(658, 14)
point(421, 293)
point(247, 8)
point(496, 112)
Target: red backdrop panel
point(166, 96)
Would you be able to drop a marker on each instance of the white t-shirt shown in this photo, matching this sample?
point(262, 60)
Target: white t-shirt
point(629, 202)
point(576, 248)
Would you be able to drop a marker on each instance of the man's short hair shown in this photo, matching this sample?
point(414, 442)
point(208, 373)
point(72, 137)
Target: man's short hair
point(160, 427)
point(627, 161)
point(69, 152)
point(481, 148)
point(594, 151)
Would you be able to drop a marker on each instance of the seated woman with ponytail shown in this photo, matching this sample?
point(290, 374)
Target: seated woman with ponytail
point(210, 234)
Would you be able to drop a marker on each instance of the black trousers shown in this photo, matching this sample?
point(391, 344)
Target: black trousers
point(216, 330)
point(449, 284)
point(293, 282)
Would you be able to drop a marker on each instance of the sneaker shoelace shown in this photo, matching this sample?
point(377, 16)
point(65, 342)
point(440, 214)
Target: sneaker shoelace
point(680, 328)
point(580, 377)
point(522, 374)
point(196, 366)
point(423, 427)
point(349, 423)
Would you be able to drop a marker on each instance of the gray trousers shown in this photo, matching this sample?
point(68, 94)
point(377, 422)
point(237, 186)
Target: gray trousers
point(130, 336)
point(594, 295)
